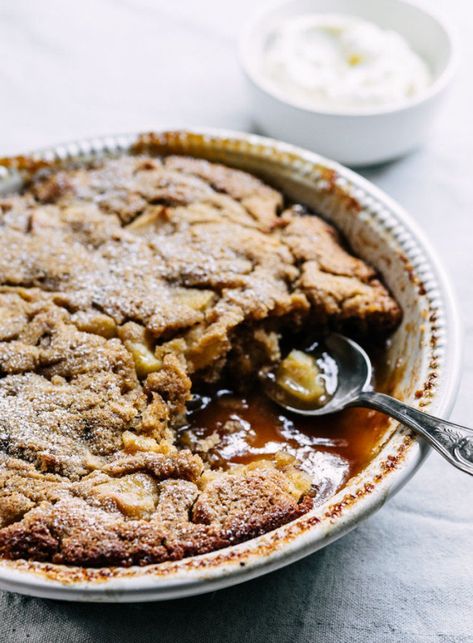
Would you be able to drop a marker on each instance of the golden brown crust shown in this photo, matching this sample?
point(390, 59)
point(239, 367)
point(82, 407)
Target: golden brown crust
point(121, 285)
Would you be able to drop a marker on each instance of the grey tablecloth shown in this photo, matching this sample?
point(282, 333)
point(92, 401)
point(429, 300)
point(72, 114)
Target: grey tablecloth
point(74, 69)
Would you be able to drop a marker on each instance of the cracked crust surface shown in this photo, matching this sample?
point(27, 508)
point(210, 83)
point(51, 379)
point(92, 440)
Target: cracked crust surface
point(121, 285)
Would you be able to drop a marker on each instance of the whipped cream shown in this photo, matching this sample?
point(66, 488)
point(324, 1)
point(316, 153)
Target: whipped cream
point(338, 62)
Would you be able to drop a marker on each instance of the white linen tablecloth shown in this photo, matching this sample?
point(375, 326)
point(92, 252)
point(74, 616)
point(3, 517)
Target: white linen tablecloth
point(73, 69)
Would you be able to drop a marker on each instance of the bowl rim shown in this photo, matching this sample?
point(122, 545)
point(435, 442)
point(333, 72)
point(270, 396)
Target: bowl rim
point(440, 83)
point(305, 535)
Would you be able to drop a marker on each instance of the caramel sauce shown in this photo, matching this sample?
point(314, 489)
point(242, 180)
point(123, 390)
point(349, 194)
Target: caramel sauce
point(331, 448)
point(352, 434)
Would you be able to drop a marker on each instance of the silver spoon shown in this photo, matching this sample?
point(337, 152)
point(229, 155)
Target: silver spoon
point(354, 388)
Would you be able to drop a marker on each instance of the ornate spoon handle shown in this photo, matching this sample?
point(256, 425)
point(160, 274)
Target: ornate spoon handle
point(453, 441)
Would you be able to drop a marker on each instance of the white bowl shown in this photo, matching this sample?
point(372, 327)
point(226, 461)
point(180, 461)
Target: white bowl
point(352, 138)
point(428, 342)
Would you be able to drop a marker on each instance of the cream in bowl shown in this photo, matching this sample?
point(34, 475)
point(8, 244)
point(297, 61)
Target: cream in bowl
point(357, 81)
point(338, 62)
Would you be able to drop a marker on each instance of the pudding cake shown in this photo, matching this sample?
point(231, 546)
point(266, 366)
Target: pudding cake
point(126, 288)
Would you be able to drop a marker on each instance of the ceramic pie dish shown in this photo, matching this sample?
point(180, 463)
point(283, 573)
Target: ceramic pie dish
point(423, 356)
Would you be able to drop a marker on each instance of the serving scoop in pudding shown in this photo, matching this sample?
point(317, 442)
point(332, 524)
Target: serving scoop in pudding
point(301, 385)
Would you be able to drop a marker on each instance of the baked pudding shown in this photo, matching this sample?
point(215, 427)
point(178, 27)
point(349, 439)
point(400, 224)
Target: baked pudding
point(139, 298)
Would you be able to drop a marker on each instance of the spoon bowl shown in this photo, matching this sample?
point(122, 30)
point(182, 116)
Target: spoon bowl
point(354, 374)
